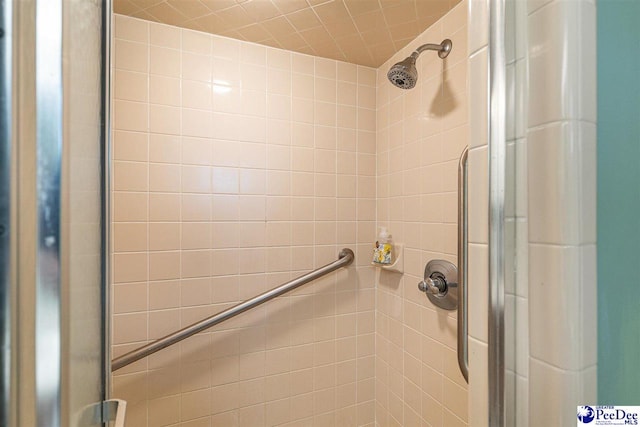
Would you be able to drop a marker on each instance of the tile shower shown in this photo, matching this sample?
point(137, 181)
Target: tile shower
point(237, 167)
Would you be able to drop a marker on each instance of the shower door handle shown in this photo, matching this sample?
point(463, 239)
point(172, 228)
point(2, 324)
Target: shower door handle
point(463, 324)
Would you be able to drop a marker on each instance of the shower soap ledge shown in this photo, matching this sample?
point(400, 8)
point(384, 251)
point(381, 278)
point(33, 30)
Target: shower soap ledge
point(397, 266)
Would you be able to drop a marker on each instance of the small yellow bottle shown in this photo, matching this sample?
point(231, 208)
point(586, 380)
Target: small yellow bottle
point(383, 249)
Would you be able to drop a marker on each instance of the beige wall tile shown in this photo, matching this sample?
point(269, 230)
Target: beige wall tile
point(130, 86)
point(130, 206)
point(164, 294)
point(196, 67)
point(131, 297)
point(164, 207)
point(164, 178)
point(130, 267)
point(196, 42)
point(165, 62)
point(129, 328)
point(130, 237)
point(197, 95)
point(164, 265)
point(131, 56)
point(164, 90)
point(202, 223)
point(196, 263)
point(165, 36)
point(164, 148)
point(197, 123)
point(195, 179)
point(164, 119)
point(164, 236)
point(164, 409)
point(131, 146)
point(196, 207)
point(131, 29)
point(196, 292)
point(131, 116)
point(163, 322)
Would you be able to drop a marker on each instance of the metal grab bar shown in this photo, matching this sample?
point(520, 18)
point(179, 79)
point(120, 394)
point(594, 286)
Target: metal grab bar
point(463, 325)
point(346, 257)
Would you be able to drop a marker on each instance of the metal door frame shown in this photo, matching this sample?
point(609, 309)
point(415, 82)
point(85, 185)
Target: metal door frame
point(6, 171)
point(497, 172)
point(32, 124)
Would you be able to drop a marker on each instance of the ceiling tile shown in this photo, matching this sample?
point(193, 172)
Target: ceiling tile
point(329, 50)
point(391, 3)
point(403, 31)
point(382, 52)
point(288, 6)
point(357, 8)
point(235, 17)
point(193, 25)
point(255, 33)
point(233, 34)
point(211, 24)
point(306, 50)
point(377, 37)
point(352, 45)
point(216, 5)
point(166, 14)
point(341, 28)
point(189, 8)
point(372, 21)
point(398, 15)
point(143, 14)
point(304, 19)
point(279, 26)
point(433, 8)
point(318, 35)
point(333, 11)
point(261, 10)
point(365, 32)
point(125, 7)
point(144, 4)
point(291, 41)
point(272, 43)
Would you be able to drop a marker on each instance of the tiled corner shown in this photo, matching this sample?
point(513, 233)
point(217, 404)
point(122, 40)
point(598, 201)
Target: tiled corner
point(420, 136)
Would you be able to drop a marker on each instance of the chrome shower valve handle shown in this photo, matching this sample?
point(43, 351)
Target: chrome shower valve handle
point(433, 285)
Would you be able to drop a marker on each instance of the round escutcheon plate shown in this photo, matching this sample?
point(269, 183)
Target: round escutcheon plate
point(447, 271)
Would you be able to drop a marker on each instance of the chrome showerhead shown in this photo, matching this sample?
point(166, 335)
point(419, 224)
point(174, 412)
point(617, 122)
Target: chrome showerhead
point(405, 75)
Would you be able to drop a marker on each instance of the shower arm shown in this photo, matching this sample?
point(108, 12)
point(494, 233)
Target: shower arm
point(443, 49)
point(429, 46)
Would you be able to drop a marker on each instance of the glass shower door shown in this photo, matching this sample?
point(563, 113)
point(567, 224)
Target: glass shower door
point(84, 309)
point(52, 225)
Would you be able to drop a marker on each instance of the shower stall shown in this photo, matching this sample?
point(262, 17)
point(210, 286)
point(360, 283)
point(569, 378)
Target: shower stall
point(188, 214)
